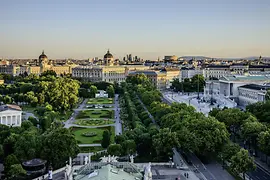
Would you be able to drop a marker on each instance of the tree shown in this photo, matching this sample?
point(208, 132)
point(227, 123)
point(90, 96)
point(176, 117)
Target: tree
point(110, 91)
point(28, 145)
point(106, 139)
point(233, 119)
point(260, 110)
point(33, 120)
point(250, 131)
point(7, 99)
point(264, 142)
point(242, 162)
point(26, 125)
point(15, 171)
point(48, 73)
point(203, 135)
point(9, 161)
point(115, 149)
point(214, 112)
point(144, 144)
point(164, 141)
point(9, 144)
point(120, 138)
point(4, 133)
point(93, 91)
point(1, 152)
point(139, 79)
point(61, 93)
point(195, 79)
point(229, 150)
point(26, 87)
point(129, 147)
point(58, 145)
point(150, 96)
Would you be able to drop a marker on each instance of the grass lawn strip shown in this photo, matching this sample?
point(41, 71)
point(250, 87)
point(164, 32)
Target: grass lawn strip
point(100, 101)
point(78, 132)
point(104, 113)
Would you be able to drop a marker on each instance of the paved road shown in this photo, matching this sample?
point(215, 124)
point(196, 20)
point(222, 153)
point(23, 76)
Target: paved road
point(70, 121)
point(89, 145)
point(259, 174)
point(27, 115)
point(118, 124)
point(116, 108)
point(211, 171)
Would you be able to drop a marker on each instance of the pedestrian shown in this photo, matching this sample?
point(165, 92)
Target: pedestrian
point(187, 175)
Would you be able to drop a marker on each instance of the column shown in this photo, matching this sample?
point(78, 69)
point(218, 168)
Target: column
point(13, 120)
point(19, 120)
point(4, 120)
point(229, 93)
point(9, 120)
point(0, 119)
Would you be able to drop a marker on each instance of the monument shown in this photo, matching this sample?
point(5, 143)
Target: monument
point(148, 172)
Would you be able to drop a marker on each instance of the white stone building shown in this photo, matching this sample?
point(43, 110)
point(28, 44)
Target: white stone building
point(188, 73)
point(233, 88)
point(252, 93)
point(10, 115)
point(216, 71)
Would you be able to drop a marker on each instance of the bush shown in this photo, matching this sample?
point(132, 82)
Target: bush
point(89, 134)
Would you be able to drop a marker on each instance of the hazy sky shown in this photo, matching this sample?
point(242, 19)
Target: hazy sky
point(147, 28)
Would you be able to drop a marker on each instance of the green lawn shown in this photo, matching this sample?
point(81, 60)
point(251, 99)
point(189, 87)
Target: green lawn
point(91, 149)
point(108, 114)
point(100, 101)
point(91, 140)
point(93, 122)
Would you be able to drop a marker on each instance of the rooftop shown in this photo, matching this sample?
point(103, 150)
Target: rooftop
point(256, 86)
point(245, 78)
point(9, 107)
point(144, 72)
point(34, 162)
point(112, 171)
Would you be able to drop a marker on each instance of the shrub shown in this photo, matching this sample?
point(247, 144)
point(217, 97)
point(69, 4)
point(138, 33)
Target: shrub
point(89, 134)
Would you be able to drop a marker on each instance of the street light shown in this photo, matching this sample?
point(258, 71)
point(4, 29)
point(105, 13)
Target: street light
point(198, 85)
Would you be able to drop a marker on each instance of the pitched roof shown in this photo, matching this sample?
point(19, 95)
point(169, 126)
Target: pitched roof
point(10, 107)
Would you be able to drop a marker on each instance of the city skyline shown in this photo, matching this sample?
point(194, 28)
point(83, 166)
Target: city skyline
point(149, 29)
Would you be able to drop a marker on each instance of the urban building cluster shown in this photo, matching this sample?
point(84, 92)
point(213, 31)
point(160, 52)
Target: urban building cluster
point(243, 81)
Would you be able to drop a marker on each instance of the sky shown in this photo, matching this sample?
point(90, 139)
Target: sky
point(150, 29)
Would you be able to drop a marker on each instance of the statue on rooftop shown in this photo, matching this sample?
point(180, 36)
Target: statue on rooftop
point(148, 172)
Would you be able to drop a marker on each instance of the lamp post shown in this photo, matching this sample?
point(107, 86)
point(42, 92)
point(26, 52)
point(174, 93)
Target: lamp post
point(198, 86)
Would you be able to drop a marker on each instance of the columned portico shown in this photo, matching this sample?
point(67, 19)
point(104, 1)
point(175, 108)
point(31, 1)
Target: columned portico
point(10, 115)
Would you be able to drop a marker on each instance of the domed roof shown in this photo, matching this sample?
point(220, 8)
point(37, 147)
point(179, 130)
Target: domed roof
point(174, 58)
point(42, 56)
point(108, 55)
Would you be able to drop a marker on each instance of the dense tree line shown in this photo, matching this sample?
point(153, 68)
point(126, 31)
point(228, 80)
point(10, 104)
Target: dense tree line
point(189, 84)
point(19, 144)
point(140, 130)
point(184, 128)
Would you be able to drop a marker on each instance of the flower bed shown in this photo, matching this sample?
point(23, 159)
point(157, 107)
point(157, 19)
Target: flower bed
point(89, 134)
